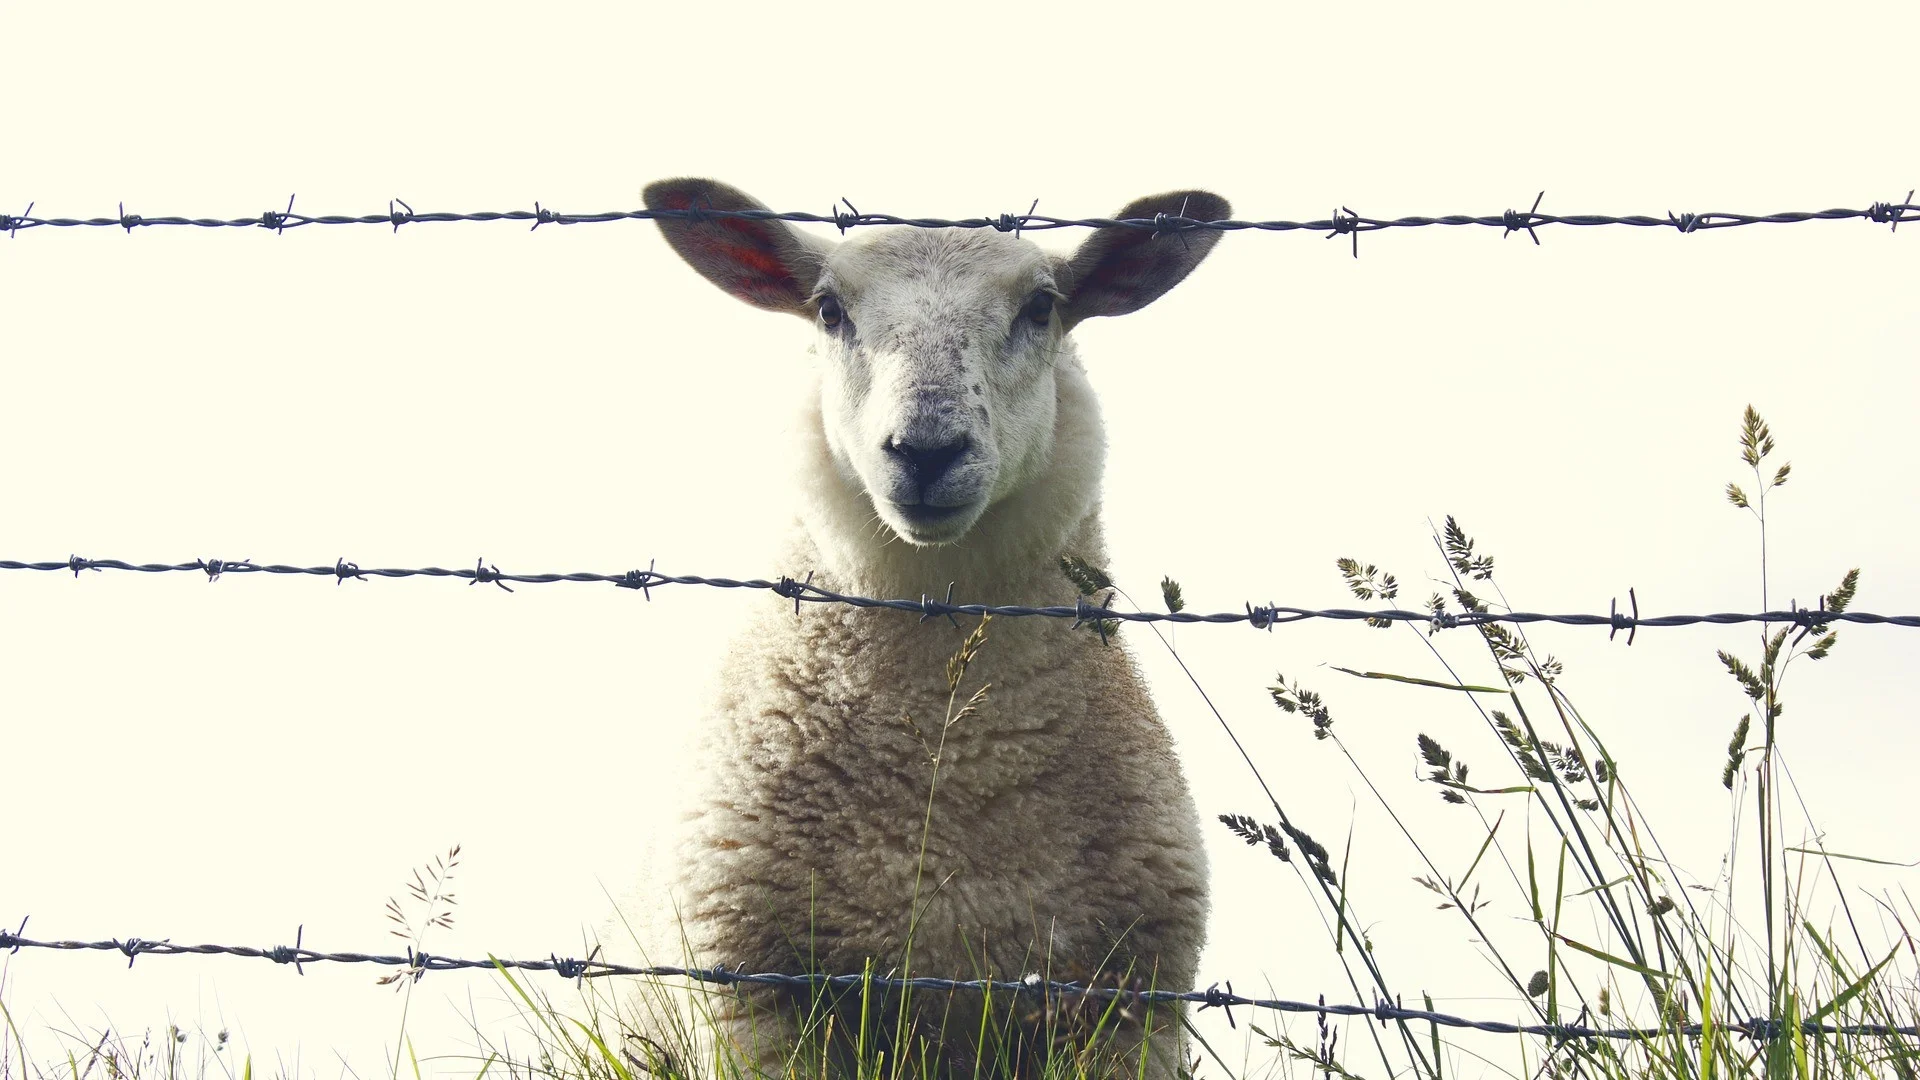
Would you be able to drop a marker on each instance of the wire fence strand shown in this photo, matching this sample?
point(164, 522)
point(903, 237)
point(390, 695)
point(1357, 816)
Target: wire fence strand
point(1081, 611)
point(415, 965)
point(1342, 221)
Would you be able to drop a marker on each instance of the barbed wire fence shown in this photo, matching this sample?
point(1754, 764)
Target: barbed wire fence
point(1082, 611)
point(416, 964)
point(1343, 221)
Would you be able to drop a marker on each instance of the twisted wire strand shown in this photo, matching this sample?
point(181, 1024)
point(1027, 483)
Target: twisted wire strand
point(1258, 616)
point(1341, 222)
point(416, 964)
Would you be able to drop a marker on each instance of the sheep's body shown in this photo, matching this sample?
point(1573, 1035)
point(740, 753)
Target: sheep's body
point(1060, 837)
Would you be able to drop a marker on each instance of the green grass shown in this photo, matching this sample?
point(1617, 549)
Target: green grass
point(1609, 934)
point(1654, 954)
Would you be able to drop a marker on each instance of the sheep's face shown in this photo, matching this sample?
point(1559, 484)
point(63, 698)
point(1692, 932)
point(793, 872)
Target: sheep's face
point(937, 392)
point(939, 347)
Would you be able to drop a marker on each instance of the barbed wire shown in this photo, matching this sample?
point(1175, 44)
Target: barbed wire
point(1260, 617)
point(1343, 221)
point(415, 965)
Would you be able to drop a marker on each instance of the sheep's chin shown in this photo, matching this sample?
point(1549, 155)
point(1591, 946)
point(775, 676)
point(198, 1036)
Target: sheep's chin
point(924, 526)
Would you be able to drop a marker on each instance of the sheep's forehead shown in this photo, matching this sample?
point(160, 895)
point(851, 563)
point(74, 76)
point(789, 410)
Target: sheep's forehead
point(952, 271)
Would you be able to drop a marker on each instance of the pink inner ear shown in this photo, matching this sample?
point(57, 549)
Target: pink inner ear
point(746, 249)
point(1120, 274)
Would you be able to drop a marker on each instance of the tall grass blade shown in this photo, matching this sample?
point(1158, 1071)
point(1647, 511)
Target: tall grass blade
point(1416, 681)
point(1603, 955)
point(1851, 858)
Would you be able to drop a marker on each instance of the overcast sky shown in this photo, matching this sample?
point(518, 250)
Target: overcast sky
point(226, 762)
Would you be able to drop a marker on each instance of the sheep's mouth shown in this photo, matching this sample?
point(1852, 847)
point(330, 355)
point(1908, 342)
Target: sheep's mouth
point(922, 514)
point(920, 523)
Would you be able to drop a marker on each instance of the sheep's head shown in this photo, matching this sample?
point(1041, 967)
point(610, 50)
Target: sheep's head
point(938, 346)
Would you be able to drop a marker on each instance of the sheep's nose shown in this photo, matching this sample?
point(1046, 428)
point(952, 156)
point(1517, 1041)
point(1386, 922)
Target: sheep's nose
point(926, 462)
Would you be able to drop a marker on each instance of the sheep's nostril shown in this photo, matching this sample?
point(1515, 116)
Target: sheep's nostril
point(927, 464)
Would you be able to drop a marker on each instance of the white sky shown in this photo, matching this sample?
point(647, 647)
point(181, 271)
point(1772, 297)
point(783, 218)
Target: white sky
point(222, 763)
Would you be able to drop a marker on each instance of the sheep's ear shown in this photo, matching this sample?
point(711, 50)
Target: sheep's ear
point(768, 264)
point(1119, 270)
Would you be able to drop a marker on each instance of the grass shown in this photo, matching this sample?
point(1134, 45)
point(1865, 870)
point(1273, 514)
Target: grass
point(1610, 933)
point(1674, 960)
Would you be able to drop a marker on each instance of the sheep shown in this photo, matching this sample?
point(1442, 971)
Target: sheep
point(841, 823)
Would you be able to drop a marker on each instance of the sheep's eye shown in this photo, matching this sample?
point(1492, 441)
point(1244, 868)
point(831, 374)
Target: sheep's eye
point(1039, 309)
point(831, 314)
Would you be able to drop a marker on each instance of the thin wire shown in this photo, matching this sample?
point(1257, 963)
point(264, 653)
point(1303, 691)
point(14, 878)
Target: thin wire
point(1258, 616)
point(1341, 222)
point(416, 964)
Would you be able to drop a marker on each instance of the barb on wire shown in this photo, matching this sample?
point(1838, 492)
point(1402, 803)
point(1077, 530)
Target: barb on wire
point(1345, 222)
point(416, 965)
point(1631, 623)
point(1341, 222)
point(1889, 214)
point(277, 220)
point(1081, 612)
point(1513, 221)
point(485, 573)
point(12, 224)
